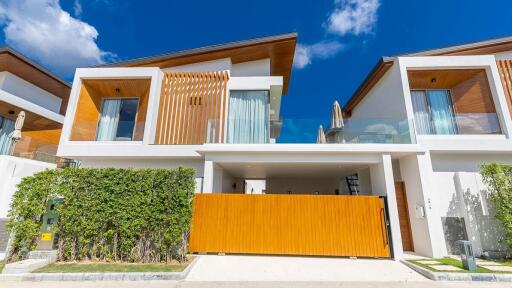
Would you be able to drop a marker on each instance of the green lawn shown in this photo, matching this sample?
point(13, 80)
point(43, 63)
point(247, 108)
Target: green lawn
point(456, 263)
point(2, 264)
point(63, 267)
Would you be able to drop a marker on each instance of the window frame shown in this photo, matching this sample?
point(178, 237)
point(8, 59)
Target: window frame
point(135, 119)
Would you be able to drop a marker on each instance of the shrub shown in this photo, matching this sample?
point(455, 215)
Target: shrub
point(498, 177)
point(133, 215)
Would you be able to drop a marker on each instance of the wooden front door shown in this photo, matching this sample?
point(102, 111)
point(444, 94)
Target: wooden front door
point(403, 214)
point(325, 225)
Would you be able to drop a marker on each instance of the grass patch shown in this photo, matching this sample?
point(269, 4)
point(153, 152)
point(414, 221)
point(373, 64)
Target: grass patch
point(2, 265)
point(456, 263)
point(92, 267)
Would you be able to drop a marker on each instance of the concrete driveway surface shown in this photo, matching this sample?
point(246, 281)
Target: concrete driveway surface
point(232, 284)
point(313, 269)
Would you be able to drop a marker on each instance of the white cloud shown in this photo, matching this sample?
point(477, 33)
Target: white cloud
point(353, 17)
point(77, 8)
point(304, 54)
point(42, 30)
point(349, 17)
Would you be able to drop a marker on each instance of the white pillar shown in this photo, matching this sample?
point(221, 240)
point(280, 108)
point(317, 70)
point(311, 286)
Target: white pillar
point(427, 231)
point(383, 183)
point(208, 177)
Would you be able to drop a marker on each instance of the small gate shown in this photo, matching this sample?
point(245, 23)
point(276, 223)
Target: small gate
point(289, 225)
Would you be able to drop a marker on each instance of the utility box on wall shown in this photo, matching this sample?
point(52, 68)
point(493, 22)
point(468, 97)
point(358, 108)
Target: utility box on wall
point(50, 218)
point(467, 256)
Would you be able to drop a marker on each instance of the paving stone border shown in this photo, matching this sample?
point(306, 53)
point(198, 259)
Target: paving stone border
point(107, 276)
point(447, 276)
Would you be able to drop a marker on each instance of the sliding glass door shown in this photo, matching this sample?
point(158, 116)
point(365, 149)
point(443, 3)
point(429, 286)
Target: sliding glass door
point(433, 112)
point(117, 120)
point(248, 119)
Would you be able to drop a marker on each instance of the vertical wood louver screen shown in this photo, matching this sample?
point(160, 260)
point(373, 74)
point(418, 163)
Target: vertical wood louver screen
point(192, 108)
point(505, 69)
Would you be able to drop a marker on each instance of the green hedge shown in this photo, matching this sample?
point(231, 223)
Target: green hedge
point(132, 215)
point(498, 177)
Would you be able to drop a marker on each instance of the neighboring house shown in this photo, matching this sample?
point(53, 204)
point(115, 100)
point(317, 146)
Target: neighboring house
point(217, 109)
point(458, 101)
point(26, 86)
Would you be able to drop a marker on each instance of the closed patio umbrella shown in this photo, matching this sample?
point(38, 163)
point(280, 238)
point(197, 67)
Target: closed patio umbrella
point(336, 117)
point(20, 120)
point(320, 138)
point(16, 133)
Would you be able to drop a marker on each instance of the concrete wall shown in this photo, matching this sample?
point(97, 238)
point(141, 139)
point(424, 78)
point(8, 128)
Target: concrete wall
point(28, 91)
point(12, 170)
point(302, 185)
point(252, 68)
point(461, 193)
point(389, 89)
point(414, 170)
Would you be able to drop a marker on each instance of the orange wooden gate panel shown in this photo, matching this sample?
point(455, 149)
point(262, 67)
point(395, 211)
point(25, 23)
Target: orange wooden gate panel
point(289, 225)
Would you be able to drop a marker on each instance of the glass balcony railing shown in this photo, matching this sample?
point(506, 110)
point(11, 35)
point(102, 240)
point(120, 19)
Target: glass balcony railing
point(38, 149)
point(460, 124)
point(287, 130)
point(355, 130)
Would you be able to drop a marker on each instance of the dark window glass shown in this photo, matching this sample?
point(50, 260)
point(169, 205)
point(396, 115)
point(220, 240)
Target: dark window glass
point(127, 115)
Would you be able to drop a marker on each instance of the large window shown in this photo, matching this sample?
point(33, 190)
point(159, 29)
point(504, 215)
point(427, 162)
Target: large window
point(433, 112)
point(117, 119)
point(248, 120)
point(6, 128)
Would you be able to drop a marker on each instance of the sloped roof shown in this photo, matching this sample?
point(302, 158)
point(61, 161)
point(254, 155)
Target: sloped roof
point(279, 48)
point(474, 48)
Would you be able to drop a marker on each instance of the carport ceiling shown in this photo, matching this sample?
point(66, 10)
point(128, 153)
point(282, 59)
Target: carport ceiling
point(302, 170)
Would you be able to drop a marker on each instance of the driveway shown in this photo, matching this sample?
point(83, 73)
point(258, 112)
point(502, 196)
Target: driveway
point(280, 268)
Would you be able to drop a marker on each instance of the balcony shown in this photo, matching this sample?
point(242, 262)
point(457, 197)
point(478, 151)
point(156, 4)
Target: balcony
point(111, 110)
point(453, 102)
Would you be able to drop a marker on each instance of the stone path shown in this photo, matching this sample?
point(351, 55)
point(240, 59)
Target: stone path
point(488, 264)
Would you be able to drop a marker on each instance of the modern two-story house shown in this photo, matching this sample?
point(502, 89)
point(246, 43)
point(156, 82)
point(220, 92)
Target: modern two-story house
point(29, 89)
point(264, 185)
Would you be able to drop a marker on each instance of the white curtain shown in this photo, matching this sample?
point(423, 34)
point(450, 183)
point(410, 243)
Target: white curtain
point(421, 112)
point(6, 128)
point(109, 119)
point(441, 111)
point(248, 120)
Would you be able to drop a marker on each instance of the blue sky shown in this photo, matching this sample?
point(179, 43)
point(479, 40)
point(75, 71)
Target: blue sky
point(341, 40)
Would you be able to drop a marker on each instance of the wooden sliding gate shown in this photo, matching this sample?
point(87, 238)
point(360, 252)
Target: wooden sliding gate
point(289, 225)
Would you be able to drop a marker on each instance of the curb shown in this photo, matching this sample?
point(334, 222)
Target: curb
point(447, 276)
point(108, 276)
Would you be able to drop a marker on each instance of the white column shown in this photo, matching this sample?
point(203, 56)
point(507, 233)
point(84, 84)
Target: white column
point(208, 177)
point(427, 232)
point(383, 183)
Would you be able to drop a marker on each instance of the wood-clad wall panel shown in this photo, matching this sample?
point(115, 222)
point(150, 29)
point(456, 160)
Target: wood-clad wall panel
point(289, 224)
point(38, 140)
point(505, 69)
point(191, 104)
point(473, 95)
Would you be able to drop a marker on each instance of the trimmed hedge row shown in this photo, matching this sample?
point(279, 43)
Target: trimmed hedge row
point(131, 215)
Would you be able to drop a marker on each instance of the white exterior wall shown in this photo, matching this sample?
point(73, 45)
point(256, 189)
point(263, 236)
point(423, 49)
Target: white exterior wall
point(12, 170)
point(460, 192)
point(377, 103)
point(252, 68)
point(281, 185)
point(14, 85)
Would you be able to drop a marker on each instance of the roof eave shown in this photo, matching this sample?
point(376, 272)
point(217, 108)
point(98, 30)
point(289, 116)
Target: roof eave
point(8, 49)
point(203, 50)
